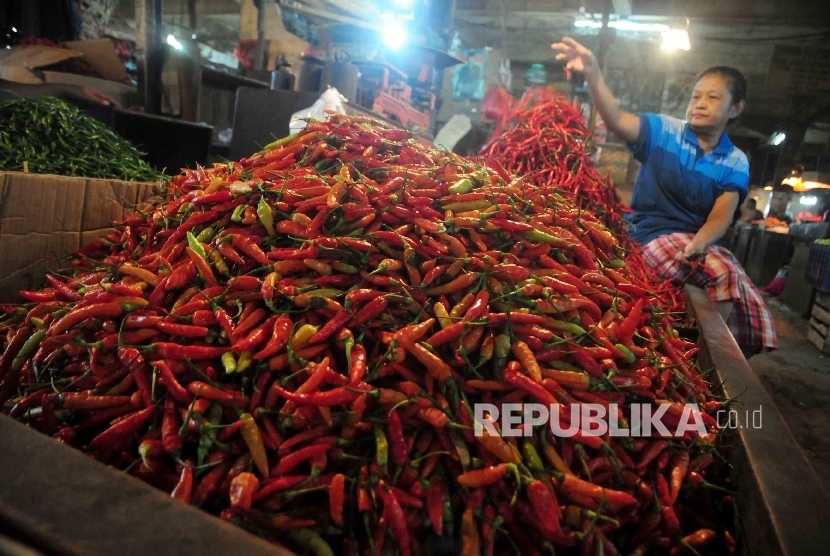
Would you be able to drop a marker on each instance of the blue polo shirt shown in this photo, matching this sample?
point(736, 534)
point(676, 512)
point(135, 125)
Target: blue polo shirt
point(678, 183)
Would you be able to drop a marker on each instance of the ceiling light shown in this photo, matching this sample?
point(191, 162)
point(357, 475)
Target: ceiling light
point(777, 138)
point(623, 25)
point(172, 41)
point(675, 39)
point(768, 188)
point(628, 25)
point(393, 35)
point(809, 200)
point(403, 4)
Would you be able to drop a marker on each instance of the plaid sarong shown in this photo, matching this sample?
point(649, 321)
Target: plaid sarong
point(723, 278)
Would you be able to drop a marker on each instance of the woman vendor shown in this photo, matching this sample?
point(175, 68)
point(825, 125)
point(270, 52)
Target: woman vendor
point(692, 180)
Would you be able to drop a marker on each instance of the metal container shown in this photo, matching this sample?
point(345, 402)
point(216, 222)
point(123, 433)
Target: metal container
point(59, 501)
point(770, 251)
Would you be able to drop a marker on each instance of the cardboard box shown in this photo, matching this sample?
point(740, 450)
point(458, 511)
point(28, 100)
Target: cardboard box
point(124, 94)
point(101, 55)
point(44, 218)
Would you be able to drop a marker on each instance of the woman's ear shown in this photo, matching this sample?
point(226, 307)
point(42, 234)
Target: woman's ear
point(736, 109)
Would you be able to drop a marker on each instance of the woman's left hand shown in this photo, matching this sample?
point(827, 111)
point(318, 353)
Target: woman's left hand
point(692, 250)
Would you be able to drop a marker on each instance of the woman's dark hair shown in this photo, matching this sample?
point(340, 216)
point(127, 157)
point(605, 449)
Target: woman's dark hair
point(735, 80)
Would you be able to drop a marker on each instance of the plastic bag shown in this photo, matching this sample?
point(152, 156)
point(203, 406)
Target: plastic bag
point(329, 100)
point(504, 77)
point(496, 105)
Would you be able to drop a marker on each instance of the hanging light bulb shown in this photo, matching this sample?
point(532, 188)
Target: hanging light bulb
point(174, 42)
point(675, 39)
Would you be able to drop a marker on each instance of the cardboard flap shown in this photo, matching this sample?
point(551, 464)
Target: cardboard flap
point(35, 56)
point(18, 74)
point(44, 218)
point(101, 55)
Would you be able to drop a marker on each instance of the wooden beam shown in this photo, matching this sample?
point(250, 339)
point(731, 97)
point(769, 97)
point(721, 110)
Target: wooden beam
point(203, 7)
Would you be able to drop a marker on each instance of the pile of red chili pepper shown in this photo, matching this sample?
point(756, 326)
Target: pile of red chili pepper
point(545, 139)
point(296, 342)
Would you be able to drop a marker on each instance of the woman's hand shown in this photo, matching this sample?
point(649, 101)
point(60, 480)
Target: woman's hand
point(91, 94)
point(693, 250)
point(713, 229)
point(579, 58)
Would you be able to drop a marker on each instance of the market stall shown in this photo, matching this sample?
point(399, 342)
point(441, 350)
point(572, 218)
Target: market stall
point(779, 515)
point(341, 338)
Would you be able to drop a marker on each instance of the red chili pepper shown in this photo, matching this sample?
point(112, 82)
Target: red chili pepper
point(337, 498)
point(255, 338)
point(242, 490)
point(546, 507)
point(167, 350)
point(278, 484)
point(395, 436)
point(184, 489)
point(479, 478)
point(208, 486)
point(290, 461)
point(109, 441)
point(394, 513)
point(678, 473)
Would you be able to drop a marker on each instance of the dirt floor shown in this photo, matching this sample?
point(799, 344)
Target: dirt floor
point(797, 376)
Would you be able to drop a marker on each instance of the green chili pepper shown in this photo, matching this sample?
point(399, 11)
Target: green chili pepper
point(340, 266)
point(464, 185)
point(196, 246)
point(382, 448)
point(544, 237)
point(531, 455)
point(229, 362)
point(629, 356)
point(27, 349)
point(238, 212)
point(501, 350)
point(616, 263)
point(56, 138)
point(468, 205)
point(565, 326)
point(205, 235)
point(208, 438)
point(310, 540)
point(563, 366)
point(281, 142)
point(266, 216)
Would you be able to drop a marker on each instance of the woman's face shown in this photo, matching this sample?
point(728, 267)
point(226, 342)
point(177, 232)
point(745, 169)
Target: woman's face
point(711, 107)
point(778, 203)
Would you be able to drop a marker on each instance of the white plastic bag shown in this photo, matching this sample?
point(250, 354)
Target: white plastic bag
point(329, 100)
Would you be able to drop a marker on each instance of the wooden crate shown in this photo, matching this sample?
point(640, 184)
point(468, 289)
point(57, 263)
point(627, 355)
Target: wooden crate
point(819, 330)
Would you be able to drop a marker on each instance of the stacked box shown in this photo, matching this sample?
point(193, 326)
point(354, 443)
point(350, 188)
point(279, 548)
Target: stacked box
point(820, 322)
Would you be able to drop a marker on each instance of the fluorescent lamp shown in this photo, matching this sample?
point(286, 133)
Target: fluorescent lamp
point(675, 39)
point(623, 25)
point(768, 188)
point(777, 138)
point(628, 25)
point(809, 200)
point(172, 41)
point(394, 35)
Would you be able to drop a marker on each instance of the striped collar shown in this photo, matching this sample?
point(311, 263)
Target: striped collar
point(723, 148)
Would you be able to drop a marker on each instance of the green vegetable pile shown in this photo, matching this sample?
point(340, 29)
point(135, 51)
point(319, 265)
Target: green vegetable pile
point(56, 138)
